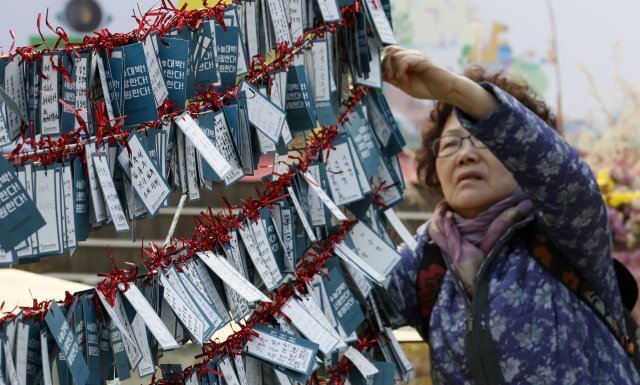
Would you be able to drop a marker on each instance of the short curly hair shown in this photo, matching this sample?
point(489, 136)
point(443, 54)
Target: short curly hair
point(434, 125)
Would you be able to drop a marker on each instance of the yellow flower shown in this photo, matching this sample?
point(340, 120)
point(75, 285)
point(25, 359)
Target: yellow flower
point(620, 198)
point(605, 181)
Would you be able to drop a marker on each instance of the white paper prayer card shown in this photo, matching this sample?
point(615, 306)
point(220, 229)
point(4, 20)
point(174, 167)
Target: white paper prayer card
point(301, 214)
point(362, 284)
point(281, 349)
point(329, 10)
point(321, 66)
point(147, 182)
point(390, 194)
point(262, 112)
point(240, 369)
point(46, 374)
point(312, 307)
point(198, 273)
point(362, 177)
point(20, 351)
point(97, 199)
point(184, 309)
point(373, 249)
point(229, 373)
point(232, 277)
point(109, 193)
point(225, 144)
point(310, 327)
point(279, 21)
point(375, 75)
point(251, 30)
point(314, 203)
point(381, 25)
point(204, 307)
point(206, 149)
point(145, 366)
point(256, 242)
point(355, 261)
point(48, 186)
point(322, 195)
point(69, 208)
point(364, 366)
point(239, 307)
point(190, 156)
point(397, 351)
point(49, 95)
point(105, 87)
point(15, 89)
point(158, 86)
point(400, 228)
point(341, 174)
point(118, 315)
point(150, 317)
point(82, 72)
point(10, 368)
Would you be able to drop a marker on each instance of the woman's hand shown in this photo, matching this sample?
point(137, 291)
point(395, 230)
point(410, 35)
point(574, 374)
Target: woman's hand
point(414, 73)
point(417, 75)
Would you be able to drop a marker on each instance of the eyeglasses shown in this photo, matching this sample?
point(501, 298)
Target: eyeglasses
point(450, 144)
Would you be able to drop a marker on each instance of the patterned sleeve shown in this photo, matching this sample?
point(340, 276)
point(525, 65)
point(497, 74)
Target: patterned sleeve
point(559, 183)
point(403, 285)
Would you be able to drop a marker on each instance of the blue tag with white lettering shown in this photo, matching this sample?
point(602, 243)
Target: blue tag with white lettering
point(174, 61)
point(299, 106)
point(227, 49)
point(65, 338)
point(19, 216)
point(139, 102)
point(343, 303)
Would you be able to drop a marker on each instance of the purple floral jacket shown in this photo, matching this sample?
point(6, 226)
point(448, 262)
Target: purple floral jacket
point(542, 332)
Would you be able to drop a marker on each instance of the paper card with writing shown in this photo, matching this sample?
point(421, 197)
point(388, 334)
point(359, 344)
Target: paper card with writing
point(284, 221)
point(63, 334)
point(253, 368)
point(44, 357)
point(367, 369)
point(295, 19)
point(92, 340)
point(400, 228)
point(26, 177)
point(380, 23)
point(225, 143)
point(147, 182)
point(234, 17)
point(104, 74)
point(48, 185)
point(263, 114)
point(117, 343)
point(365, 142)
point(106, 354)
point(401, 358)
point(198, 274)
point(362, 176)
point(238, 306)
point(387, 185)
point(203, 305)
point(82, 104)
point(139, 100)
point(69, 207)
point(9, 370)
point(4, 132)
point(255, 239)
point(27, 350)
point(321, 78)
point(81, 199)
point(344, 305)
point(205, 147)
point(385, 127)
point(228, 371)
point(97, 198)
point(32, 69)
point(313, 176)
point(312, 306)
point(279, 21)
point(174, 61)
point(299, 104)
point(310, 327)
point(329, 10)
point(150, 318)
point(341, 174)
point(246, 152)
point(118, 315)
point(228, 54)
point(232, 277)
point(49, 113)
point(284, 350)
point(109, 192)
point(356, 262)
point(373, 78)
point(301, 213)
point(274, 241)
point(75, 317)
point(145, 366)
point(114, 74)
point(183, 307)
point(191, 160)
point(158, 85)
point(251, 27)
point(19, 216)
point(372, 249)
point(207, 122)
point(15, 89)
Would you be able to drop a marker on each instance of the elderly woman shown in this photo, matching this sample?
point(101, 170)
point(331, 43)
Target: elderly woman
point(498, 316)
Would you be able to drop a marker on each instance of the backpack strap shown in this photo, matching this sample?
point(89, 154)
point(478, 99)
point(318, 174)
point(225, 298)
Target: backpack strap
point(557, 265)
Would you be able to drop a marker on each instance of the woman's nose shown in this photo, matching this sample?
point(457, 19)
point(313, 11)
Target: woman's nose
point(467, 152)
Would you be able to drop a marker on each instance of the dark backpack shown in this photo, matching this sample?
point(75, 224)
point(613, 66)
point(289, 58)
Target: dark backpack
point(433, 265)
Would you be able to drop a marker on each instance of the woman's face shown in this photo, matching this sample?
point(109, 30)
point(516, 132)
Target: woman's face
point(472, 178)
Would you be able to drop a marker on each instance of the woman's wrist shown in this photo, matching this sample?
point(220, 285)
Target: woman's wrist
point(471, 98)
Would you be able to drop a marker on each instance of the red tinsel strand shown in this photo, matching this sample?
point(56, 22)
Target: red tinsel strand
point(109, 285)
